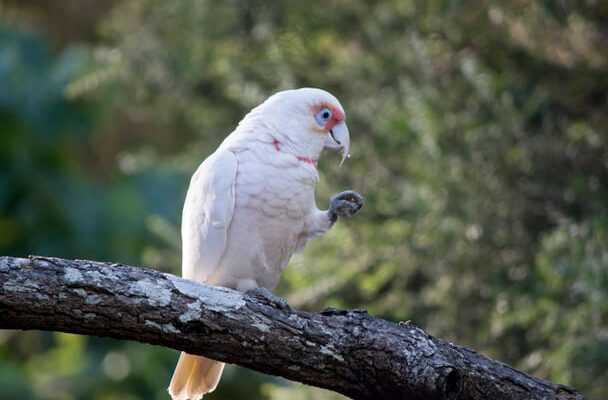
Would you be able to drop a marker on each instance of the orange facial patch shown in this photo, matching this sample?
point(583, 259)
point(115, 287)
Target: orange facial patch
point(337, 114)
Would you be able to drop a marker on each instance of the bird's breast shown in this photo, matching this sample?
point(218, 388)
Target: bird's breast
point(279, 188)
point(272, 205)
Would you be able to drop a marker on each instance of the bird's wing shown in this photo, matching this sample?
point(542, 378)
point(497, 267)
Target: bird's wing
point(207, 214)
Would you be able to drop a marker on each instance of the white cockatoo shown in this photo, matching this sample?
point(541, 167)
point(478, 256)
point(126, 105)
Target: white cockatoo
point(250, 206)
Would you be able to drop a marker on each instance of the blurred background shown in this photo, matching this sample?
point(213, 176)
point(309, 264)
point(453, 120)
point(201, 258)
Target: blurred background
point(479, 140)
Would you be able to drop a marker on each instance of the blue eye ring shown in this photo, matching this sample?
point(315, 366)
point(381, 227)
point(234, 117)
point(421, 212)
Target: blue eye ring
point(323, 115)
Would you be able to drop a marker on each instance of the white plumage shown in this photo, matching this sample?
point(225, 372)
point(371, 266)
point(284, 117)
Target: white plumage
point(250, 206)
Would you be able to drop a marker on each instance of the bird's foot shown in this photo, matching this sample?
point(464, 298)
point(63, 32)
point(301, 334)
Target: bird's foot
point(274, 300)
point(345, 204)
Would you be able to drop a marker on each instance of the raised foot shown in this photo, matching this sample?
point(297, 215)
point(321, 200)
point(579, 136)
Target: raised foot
point(274, 300)
point(345, 204)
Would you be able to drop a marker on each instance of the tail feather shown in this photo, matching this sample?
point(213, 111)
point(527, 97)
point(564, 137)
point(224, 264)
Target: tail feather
point(194, 376)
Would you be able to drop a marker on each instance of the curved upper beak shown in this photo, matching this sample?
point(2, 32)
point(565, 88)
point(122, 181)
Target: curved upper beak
point(338, 138)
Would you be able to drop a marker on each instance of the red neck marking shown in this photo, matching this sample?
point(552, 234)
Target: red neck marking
point(311, 161)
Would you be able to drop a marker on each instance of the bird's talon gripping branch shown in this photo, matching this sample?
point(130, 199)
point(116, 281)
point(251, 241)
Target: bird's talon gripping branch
point(263, 293)
point(345, 205)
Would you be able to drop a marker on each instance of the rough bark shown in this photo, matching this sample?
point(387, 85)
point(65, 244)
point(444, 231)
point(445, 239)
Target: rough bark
point(346, 351)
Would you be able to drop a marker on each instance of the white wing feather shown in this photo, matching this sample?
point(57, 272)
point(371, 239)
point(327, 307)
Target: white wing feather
point(207, 214)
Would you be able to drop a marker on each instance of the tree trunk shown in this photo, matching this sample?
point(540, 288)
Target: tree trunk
point(346, 351)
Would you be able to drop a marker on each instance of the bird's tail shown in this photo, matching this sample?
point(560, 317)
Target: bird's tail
point(194, 376)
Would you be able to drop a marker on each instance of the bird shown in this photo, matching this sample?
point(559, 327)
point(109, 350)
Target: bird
point(251, 205)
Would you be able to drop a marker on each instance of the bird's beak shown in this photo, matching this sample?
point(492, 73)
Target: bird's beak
point(338, 138)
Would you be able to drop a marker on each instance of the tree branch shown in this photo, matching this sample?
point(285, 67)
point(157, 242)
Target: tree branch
point(346, 351)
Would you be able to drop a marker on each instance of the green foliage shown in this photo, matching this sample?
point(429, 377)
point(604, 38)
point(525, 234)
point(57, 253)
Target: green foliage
point(478, 143)
point(52, 203)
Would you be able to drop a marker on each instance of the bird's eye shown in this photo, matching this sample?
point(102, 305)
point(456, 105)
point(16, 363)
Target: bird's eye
point(323, 116)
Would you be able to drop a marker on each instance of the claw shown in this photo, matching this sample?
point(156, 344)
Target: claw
point(274, 300)
point(345, 204)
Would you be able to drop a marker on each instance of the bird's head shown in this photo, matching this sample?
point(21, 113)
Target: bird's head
point(307, 120)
